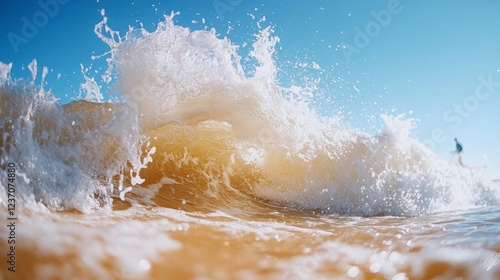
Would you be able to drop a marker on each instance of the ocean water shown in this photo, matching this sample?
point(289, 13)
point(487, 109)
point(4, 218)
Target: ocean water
point(201, 170)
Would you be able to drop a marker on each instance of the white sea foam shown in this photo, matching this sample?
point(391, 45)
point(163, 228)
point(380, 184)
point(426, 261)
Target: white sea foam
point(126, 244)
point(64, 159)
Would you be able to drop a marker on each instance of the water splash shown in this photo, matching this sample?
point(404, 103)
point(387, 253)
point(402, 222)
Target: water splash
point(222, 133)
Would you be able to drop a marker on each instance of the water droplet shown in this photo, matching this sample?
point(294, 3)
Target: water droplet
point(400, 276)
point(144, 265)
point(353, 271)
point(375, 267)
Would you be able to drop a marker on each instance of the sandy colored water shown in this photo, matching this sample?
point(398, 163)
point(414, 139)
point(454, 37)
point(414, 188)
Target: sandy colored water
point(158, 243)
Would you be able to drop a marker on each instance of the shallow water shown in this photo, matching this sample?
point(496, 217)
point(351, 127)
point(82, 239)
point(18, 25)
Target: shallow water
point(163, 243)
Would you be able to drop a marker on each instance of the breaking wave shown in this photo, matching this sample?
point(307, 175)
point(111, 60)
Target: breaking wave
point(193, 130)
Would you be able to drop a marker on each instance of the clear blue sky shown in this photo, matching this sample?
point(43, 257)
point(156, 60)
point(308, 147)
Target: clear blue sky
point(439, 60)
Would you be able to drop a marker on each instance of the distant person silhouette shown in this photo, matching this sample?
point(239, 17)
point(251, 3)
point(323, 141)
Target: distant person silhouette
point(459, 151)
